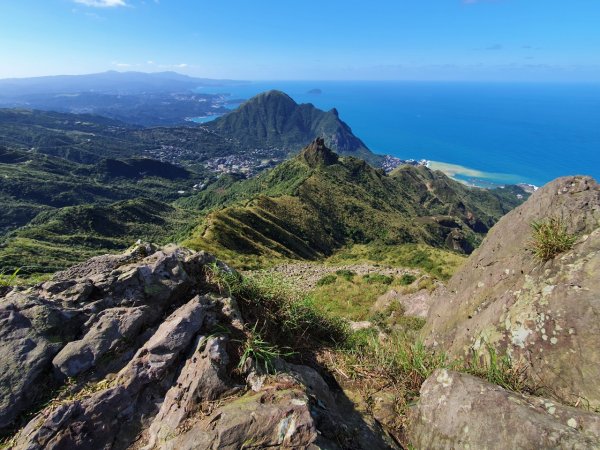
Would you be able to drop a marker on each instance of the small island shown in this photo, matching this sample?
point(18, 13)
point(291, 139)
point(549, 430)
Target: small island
point(315, 91)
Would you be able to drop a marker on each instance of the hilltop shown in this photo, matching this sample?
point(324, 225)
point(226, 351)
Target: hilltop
point(262, 132)
point(317, 202)
point(273, 119)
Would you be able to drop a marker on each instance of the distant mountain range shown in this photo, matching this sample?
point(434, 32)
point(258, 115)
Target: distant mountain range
point(111, 82)
point(149, 99)
point(64, 175)
point(268, 127)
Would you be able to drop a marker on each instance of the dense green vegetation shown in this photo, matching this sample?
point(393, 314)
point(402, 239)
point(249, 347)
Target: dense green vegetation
point(273, 119)
point(57, 212)
point(57, 239)
point(318, 203)
point(59, 173)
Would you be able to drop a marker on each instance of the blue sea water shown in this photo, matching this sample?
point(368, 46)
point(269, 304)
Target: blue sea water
point(511, 133)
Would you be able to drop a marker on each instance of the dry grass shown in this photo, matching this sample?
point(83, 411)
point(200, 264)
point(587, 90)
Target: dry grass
point(397, 365)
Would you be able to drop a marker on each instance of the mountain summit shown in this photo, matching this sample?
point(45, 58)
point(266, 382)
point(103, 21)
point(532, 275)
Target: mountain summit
point(274, 119)
point(318, 154)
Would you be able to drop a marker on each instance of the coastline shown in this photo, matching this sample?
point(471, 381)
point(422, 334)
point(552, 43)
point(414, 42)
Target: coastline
point(476, 177)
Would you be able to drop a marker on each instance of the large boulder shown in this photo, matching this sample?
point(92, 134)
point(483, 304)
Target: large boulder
point(542, 314)
point(460, 411)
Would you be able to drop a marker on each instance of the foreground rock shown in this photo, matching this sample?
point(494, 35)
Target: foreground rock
point(544, 315)
point(152, 353)
point(460, 411)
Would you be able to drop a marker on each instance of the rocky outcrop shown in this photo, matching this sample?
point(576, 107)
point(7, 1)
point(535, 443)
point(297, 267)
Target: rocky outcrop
point(542, 314)
point(25, 356)
point(460, 411)
point(151, 353)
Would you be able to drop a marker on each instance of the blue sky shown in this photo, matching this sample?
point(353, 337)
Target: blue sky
point(498, 40)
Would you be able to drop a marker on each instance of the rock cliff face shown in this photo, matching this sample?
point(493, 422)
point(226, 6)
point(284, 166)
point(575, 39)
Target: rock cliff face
point(544, 315)
point(139, 351)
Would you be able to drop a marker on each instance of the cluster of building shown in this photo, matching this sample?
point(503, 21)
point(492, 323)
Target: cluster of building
point(248, 164)
point(391, 162)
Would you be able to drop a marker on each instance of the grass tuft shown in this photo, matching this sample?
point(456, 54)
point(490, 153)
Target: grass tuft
point(376, 278)
point(346, 274)
point(9, 280)
point(550, 238)
point(260, 351)
point(326, 280)
point(407, 279)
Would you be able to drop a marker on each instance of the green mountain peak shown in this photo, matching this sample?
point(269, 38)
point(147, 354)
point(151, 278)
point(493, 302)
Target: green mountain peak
point(274, 120)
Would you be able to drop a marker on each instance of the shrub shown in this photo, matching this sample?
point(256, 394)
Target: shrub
point(378, 278)
point(327, 279)
point(550, 238)
point(407, 279)
point(347, 275)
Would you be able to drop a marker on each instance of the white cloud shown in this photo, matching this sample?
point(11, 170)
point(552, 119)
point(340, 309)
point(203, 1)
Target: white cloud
point(102, 3)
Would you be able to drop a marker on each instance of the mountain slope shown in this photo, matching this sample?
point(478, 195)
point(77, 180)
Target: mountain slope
point(56, 239)
point(317, 202)
point(275, 120)
point(31, 182)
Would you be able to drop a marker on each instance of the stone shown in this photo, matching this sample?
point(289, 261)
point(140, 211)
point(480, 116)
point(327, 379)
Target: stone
point(461, 411)
point(106, 331)
point(275, 417)
point(95, 421)
point(543, 315)
point(25, 356)
point(202, 379)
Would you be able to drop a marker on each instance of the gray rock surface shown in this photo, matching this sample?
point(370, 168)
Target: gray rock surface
point(460, 411)
point(102, 413)
point(24, 356)
point(82, 314)
point(154, 353)
point(543, 315)
point(106, 331)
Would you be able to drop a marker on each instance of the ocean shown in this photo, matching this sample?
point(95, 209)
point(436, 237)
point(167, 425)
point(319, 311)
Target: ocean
point(477, 132)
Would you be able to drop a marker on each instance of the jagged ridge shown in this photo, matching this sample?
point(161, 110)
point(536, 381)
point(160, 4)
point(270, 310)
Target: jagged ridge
point(329, 202)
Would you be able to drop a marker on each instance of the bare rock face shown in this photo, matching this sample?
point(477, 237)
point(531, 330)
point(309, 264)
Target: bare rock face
point(25, 356)
point(83, 313)
point(151, 353)
point(460, 411)
point(105, 331)
point(544, 315)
